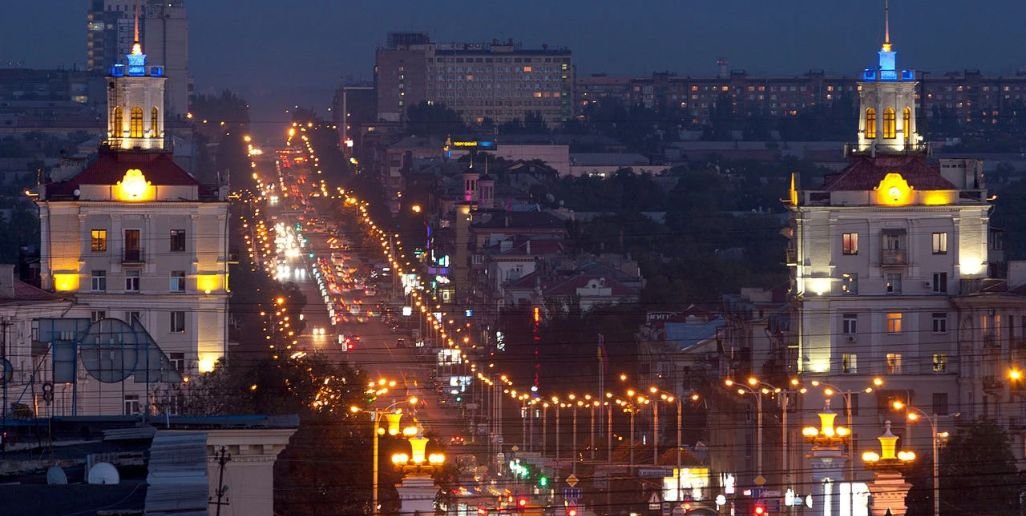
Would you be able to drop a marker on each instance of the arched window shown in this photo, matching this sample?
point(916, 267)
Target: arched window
point(890, 122)
point(116, 130)
point(135, 126)
point(155, 123)
point(906, 123)
point(871, 123)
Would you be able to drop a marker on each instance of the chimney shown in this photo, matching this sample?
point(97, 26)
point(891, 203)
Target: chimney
point(6, 280)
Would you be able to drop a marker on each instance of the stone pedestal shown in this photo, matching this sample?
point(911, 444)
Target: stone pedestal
point(417, 495)
point(828, 464)
point(888, 489)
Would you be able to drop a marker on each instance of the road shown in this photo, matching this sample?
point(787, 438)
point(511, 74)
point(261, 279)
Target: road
point(377, 352)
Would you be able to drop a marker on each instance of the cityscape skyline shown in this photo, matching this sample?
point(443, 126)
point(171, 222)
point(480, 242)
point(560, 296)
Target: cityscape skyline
point(758, 38)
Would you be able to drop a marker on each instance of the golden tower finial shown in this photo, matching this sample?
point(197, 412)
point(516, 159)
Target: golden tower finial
point(887, 27)
point(136, 45)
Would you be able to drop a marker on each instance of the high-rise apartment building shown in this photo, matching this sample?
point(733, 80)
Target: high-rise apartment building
point(163, 30)
point(141, 248)
point(496, 81)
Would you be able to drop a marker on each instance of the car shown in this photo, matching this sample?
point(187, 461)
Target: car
point(457, 440)
point(400, 342)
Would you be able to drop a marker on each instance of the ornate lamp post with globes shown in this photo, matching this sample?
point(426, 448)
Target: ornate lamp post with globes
point(889, 487)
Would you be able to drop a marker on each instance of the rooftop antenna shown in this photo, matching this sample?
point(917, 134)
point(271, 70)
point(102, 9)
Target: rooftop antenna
point(136, 44)
point(887, 26)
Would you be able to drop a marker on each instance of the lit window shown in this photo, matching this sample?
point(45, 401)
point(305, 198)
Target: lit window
point(98, 240)
point(528, 69)
point(870, 123)
point(894, 363)
point(890, 123)
point(940, 362)
point(850, 243)
point(849, 363)
point(118, 121)
point(906, 123)
point(940, 243)
point(154, 122)
point(894, 322)
point(135, 127)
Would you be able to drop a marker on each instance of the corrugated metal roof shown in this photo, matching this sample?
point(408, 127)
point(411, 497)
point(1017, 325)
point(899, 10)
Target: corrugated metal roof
point(126, 434)
point(178, 474)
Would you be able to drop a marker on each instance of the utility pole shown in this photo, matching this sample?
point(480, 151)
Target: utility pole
point(4, 324)
point(222, 490)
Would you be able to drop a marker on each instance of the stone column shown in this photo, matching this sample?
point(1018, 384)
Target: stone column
point(889, 490)
point(417, 495)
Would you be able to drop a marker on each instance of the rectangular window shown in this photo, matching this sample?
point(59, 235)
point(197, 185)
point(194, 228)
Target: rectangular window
point(132, 405)
point(97, 315)
point(894, 322)
point(177, 322)
point(98, 281)
point(98, 240)
point(940, 282)
point(940, 322)
point(177, 240)
point(177, 283)
point(894, 363)
point(893, 283)
point(940, 362)
point(849, 363)
point(940, 243)
point(177, 361)
point(850, 243)
point(133, 316)
point(131, 281)
point(892, 241)
point(940, 403)
point(849, 324)
point(850, 283)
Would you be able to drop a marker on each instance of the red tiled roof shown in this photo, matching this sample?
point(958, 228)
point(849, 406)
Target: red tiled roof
point(23, 292)
point(866, 172)
point(570, 286)
point(110, 166)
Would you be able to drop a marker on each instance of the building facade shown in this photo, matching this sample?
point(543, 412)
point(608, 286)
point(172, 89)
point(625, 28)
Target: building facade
point(135, 238)
point(496, 81)
point(878, 255)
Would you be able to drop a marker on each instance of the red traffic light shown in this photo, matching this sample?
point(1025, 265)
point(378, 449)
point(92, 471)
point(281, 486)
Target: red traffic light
point(571, 512)
point(522, 502)
point(760, 510)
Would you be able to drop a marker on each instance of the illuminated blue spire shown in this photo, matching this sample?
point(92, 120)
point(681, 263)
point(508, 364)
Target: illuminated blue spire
point(887, 69)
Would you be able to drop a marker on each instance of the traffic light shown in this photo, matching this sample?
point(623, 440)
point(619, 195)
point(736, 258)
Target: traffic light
point(522, 502)
point(571, 511)
point(543, 481)
point(759, 509)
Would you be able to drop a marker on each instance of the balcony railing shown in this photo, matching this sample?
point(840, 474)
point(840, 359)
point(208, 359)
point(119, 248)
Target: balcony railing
point(133, 256)
point(893, 257)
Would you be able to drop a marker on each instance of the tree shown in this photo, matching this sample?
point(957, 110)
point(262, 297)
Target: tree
point(977, 474)
point(431, 119)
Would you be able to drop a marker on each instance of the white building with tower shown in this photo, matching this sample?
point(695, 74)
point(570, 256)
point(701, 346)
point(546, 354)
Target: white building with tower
point(878, 253)
point(141, 248)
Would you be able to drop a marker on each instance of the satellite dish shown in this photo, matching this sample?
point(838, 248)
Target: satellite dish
point(77, 192)
point(110, 350)
point(103, 473)
point(56, 476)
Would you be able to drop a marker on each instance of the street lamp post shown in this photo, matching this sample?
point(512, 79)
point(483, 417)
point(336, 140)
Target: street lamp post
point(545, 428)
point(394, 419)
point(913, 414)
point(758, 388)
point(609, 429)
point(574, 448)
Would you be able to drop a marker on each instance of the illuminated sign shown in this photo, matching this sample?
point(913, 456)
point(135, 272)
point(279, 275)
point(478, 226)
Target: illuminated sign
point(474, 144)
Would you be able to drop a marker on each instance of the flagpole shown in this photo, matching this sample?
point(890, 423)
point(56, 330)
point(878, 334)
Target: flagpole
point(602, 375)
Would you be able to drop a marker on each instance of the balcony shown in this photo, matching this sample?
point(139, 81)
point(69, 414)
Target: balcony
point(992, 383)
point(894, 257)
point(133, 256)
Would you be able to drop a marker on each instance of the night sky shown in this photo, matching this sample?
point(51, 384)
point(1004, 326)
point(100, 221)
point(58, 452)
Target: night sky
point(276, 52)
